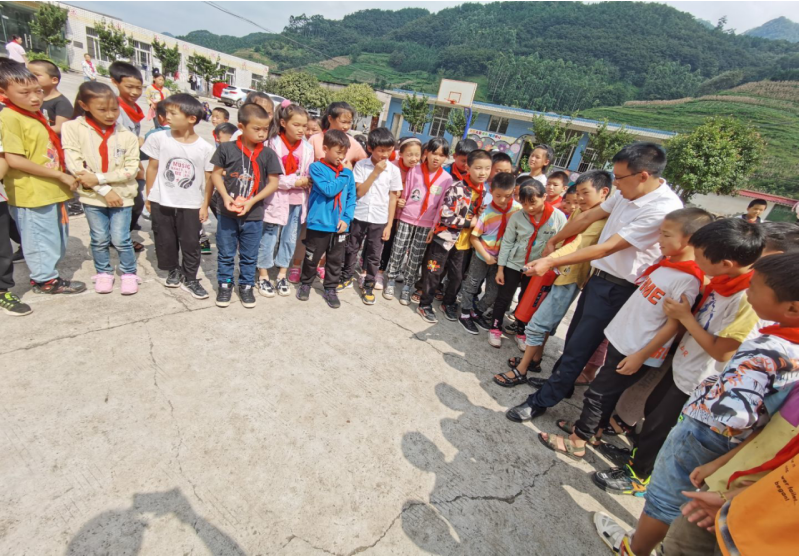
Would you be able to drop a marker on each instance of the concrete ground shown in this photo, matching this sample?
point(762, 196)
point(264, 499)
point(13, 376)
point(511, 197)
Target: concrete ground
point(159, 424)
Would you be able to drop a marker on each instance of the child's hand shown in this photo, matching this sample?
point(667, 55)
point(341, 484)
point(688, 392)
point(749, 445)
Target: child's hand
point(88, 180)
point(630, 365)
point(380, 167)
point(342, 227)
point(701, 472)
point(147, 205)
point(702, 508)
point(68, 180)
point(203, 213)
point(478, 211)
point(500, 276)
point(302, 182)
point(491, 260)
point(401, 202)
point(387, 232)
point(231, 206)
point(113, 199)
point(346, 164)
point(247, 207)
point(678, 310)
point(429, 237)
point(548, 248)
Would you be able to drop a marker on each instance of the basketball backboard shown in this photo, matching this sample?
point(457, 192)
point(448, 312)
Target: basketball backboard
point(457, 93)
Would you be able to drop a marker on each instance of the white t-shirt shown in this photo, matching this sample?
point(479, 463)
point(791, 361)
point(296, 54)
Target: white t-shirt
point(641, 317)
point(637, 221)
point(722, 316)
point(373, 206)
point(16, 52)
point(181, 170)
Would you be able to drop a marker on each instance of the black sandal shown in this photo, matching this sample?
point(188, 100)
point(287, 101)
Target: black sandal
point(610, 430)
point(568, 427)
point(503, 380)
point(138, 247)
point(534, 367)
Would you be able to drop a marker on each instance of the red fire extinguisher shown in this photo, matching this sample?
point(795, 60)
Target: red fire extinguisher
point(534, 295)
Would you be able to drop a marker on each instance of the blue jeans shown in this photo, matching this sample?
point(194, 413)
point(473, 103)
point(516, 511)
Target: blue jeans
point(109, 225)
point(690, 444)
point(44, 232)
point(288, 240)
point(241, 235)
point(552, 310)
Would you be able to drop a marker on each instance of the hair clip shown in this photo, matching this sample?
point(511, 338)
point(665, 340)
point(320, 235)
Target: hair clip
point(285, 103)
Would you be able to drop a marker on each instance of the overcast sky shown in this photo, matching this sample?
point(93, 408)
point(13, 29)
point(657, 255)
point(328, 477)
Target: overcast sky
point(178, 18)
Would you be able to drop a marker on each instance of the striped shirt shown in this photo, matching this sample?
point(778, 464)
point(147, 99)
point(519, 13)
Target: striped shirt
point(487, 228)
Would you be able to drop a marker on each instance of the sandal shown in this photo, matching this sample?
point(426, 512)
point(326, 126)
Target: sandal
point(138, 247)
point(551, 443)
point(534, 366)
point(503, 380)
point(568, 427)
point(610, 430)
point(416, 297)
point(439, 295)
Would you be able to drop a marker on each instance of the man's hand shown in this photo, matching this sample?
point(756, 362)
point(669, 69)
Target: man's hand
point(429, 237)
point(68, 180)
point(113, 199)
point(379, 167)
point(678, 310)
point(702, 508)
point(500, 276)
point(400, 202)
point(386, 232)
point(539, 267)
point(342, 227)
point(204, 213)
point(630, 365)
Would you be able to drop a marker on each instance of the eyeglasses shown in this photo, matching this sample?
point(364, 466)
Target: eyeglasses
point(620, 178)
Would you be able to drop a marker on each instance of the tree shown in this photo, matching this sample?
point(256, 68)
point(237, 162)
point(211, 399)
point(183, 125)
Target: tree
point(169, 57)
point(670, 80)
point(456, 125)
point(416, 112)
point(113, 42)
point(717, 157)
point(301, 88)
point(606, 143)
point(206, 68)
point(361, 97)
point(48, 24)
point(556, 135)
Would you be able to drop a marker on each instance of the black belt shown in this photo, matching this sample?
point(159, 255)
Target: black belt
point(611, 278)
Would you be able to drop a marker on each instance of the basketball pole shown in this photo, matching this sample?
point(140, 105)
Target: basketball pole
point(468, 112)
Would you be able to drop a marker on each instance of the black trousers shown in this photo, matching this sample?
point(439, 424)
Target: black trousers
point(138, 205)
point(604, 393)
point(6, 251)
point(599, 303)
point(661, 412)
point(372, 235)
point(175, 232)
point(505, 296)
point(437, 260)
point(317, 244)
point(385, 257)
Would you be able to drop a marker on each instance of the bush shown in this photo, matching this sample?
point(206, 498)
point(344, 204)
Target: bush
point(102, 70)
point(172, 86)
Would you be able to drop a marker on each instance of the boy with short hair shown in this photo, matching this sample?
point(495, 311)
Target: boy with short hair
point(219, 116)
point(36, 184)
point(569, 204)
point(641, 333)
point(557, 182)
point(756, 208)
point(457, 213)
point(725, 409)
point(781, 237)
point(179, 168)
point(331, 206)
point(459, 167)
point(224, 132)
point(378, 186)
point(500, 162)
point(9, 302)
point(245, 173)
point(486, 240)
point(56, 107)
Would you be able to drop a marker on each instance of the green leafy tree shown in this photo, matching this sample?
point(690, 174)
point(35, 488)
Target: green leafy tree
point(205, 68)
point(717, 157)
point(416, 112)
point(169, 57)
point(113, 42)
point(361, 97)
point(607, 143)
point(670, 80)
point(48, 24)
point(554, 134)
point(456, 125)
point(301, 88)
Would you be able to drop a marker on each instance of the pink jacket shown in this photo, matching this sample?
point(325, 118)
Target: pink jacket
point(276, 206)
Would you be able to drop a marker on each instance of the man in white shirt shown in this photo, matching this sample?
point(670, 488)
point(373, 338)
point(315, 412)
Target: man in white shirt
point(15, 50)
point(378, 185)
point(626, 247)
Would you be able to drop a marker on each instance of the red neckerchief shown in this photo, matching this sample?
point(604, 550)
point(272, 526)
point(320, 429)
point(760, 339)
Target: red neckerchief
point(457, 173)
point(337, 169)
point(689, 267)
point(403, 167)
point(252, 156)
point(480, 191)
point(556, 204)
point(791, 334)
point(38, 116)
point(393, 156)
point(504, 214)
point(290, 162)
point(548, 210)
point(90, 64)
point(216, 139)
point(105, 136)
point(160, 90)
point(428, 182)
point(134, 112)
point(726, 285)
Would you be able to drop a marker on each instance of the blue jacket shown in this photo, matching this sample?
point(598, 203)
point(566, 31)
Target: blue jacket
point(324, 212)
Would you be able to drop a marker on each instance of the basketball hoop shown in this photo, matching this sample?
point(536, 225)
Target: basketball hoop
point(453, 102)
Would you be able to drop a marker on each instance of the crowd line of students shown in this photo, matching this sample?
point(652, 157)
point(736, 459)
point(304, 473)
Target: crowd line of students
point(710, 304)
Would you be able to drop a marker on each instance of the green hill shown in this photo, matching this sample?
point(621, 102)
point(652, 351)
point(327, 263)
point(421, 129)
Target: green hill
point(778, 29)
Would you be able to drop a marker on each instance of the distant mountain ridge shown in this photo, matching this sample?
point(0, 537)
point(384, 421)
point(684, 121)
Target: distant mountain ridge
point(781, 28)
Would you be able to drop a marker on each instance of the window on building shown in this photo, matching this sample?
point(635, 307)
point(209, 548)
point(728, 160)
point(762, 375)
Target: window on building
point(589, 160)
point(141, 55)
point(497, 124)
point(258, 82)
point(563, 160)
point(440, 119)
point(93, 45)
point(229, 75)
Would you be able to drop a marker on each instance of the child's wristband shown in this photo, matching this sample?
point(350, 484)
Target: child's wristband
point(101, 178)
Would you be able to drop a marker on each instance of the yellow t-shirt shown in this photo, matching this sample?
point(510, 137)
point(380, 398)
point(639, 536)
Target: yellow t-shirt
point(22, 135)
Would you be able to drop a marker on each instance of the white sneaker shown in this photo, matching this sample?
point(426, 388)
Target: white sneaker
point(495, 338)
point(266, 289)
point(521, 342)
point(379, 281)
point(614, 536)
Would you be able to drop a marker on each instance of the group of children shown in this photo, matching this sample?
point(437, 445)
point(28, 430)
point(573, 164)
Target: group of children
point(712, 305)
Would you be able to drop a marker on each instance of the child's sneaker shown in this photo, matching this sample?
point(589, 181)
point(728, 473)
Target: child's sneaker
point(282, 287)
point(224, 294)
point(331, 297)
point(103, 283)
point(58, 286)
point(247, 295)
point(12, 305)
point(304, 292)
point(129, 284)
point(405, 296)
point(620, 456)
point(379, 281)
point(481, 321)
point(428, 314)
point(468, 324)
point(622, 481)
point(173, 279)
point(320, 272)
point(265, 288)
point(194, 288)
point(614, 536)
point(495, 338)
point(510, 327)
point(388, 291)
point(205, 247)
point(294, 275)
point(344, 284)
point(416, 297)
point(521, 342)
point(368, 296)
point(450, 312)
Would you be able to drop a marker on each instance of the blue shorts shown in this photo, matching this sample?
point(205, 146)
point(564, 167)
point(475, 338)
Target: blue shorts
point(690, 444)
